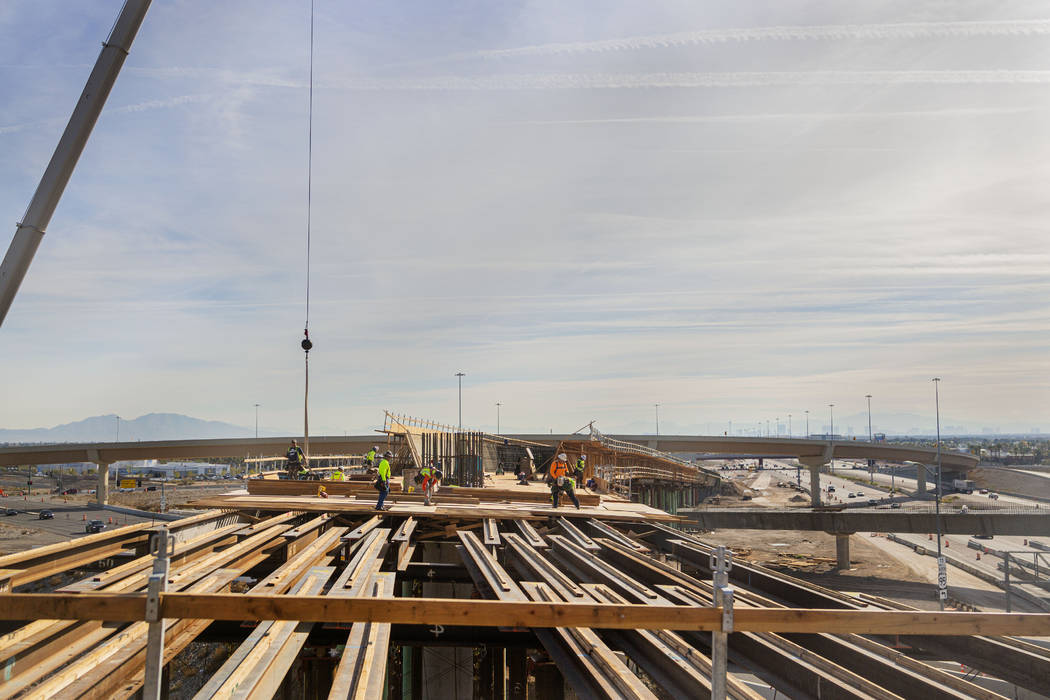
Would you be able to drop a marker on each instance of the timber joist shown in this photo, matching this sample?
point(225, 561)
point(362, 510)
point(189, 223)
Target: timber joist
point(579, 588)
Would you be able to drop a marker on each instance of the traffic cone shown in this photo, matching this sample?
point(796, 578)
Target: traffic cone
point(85, 517)
point(947, 544)
point(978, 556)
point(1026, 543)
point(929, 537)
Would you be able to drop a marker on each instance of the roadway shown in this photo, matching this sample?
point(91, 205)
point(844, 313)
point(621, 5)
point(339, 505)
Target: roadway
point(68, 523)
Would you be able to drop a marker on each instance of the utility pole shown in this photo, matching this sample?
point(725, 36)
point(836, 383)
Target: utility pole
point(42, 206)
point(777, 424)
point(657, 406)
point(942, 569)
point(498, 404)
point(871, 462)
point(831, 408)
point(460, 376)
point(257, 421)
point(789, 425)
point(807, 424)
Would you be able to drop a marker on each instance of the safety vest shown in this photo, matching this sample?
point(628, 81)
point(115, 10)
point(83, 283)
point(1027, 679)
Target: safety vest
point(425, 470)
point(559, 468)
point(337, 475)
point(370, 456)
point(580, 464)
point(384, 470)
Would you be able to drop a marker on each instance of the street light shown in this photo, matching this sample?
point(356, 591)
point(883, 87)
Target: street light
point(257, 421)
point(831, 437)
point(460, 375)
point(942, 569)
point(657, 407)
point(777, 424)
point(498, 404)
point(871, 462)
point(789, 425)
point(807, 423)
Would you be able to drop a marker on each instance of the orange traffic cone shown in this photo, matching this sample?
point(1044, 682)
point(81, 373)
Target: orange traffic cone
point(85, 517)
point(929, 537)
point(947, 543)
point(978, 556)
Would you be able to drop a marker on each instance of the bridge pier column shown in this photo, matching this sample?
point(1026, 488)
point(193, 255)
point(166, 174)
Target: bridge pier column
point(102, 490)
point(814, 464)
point(920, 479)
point(842, 551)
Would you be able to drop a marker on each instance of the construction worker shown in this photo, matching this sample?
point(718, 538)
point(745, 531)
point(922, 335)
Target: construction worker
point(383, 478)
point(581, 464)
point(370, 456)
point(561, 481)
point(337, 475)
point(430, 478)
point(296, 459)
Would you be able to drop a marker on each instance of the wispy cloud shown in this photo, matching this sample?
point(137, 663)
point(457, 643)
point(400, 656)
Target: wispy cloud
point(623, 81)
point(910, 30)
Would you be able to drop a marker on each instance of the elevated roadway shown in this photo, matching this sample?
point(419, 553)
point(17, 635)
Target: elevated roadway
point(1013, 521)
point(814, 454)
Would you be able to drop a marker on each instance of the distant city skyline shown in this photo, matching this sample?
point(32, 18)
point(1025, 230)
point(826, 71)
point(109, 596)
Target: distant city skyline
point(734, 210)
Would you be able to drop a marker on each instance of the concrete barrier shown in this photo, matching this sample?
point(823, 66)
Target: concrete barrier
point(144, 513)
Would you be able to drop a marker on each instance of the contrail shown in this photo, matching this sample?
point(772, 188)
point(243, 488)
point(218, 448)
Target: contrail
point(126, 109)
point(913, 30)
point(593, 81)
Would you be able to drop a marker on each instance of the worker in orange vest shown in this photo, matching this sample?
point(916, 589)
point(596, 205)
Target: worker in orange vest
point(561, 481)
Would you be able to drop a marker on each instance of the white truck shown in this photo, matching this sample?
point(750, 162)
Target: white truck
point(963, 485)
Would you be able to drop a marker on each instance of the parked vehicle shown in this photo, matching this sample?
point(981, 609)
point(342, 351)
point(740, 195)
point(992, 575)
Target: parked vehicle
point(47, 515)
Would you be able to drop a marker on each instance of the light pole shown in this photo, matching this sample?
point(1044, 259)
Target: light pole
point(460, 376)
point(871, 462)
point(831, 437)
point(777, 425)
point(498, 404)
point(807, 423)
point(118, 434)
point(942, 569)
point(257, 421)
point(789, 425)
point(657, 407)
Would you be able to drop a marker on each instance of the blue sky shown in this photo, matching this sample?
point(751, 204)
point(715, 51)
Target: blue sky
point(738, 210)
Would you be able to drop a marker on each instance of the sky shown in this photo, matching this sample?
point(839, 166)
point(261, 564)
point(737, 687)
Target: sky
point(737, 211)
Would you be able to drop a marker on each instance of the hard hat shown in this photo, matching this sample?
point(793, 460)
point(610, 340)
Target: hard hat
point(563, 456)
point(388, 453)
point(375, 447)
point(294, 442)
point(583, 457)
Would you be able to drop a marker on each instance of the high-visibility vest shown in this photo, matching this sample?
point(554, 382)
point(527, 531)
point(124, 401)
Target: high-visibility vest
point(384, 470)
point(371, 456)
point(559, 468)
point(425, 470)
point(337, 475)
point(580, 464)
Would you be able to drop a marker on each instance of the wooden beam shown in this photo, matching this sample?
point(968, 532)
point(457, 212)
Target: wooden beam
point(485, 613)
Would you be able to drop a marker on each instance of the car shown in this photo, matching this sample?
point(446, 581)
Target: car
point(984, 537)
point(69, 492)
point(831, 488)
point(95, 526)
point(983, 492)
point(151, 488)
point(47, 515)
point(851, 495)
point(872, 502)
point(993, 496)
point(895, 505)
point(10, 511)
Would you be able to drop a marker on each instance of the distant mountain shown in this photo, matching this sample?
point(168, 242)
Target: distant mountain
point(152, 426)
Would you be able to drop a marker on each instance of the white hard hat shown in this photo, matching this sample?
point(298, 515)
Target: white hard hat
point(563, 456)
point(583, 457)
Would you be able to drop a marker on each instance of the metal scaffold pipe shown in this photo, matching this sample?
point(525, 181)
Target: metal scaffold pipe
point(53, 183)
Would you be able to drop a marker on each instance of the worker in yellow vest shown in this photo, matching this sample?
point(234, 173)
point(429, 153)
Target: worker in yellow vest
point(337, 475)
point(382, 481)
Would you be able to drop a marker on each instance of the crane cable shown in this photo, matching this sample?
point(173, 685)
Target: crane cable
point(306, 343)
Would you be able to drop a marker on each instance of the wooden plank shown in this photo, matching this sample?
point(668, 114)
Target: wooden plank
point(223, 606)
point(405, 550)
point(491, 532)
point(404, 533)
point(361, 672)
point(364, 528)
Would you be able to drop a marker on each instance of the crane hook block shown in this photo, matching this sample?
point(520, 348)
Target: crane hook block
point(307, 344)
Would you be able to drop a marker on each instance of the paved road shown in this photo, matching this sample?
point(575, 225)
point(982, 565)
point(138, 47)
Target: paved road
point(68, 522)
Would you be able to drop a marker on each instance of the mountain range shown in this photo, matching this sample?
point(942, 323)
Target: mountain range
point(112, 428)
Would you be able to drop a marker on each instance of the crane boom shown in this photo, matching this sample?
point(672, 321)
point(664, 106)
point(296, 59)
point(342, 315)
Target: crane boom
point(31, 229)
